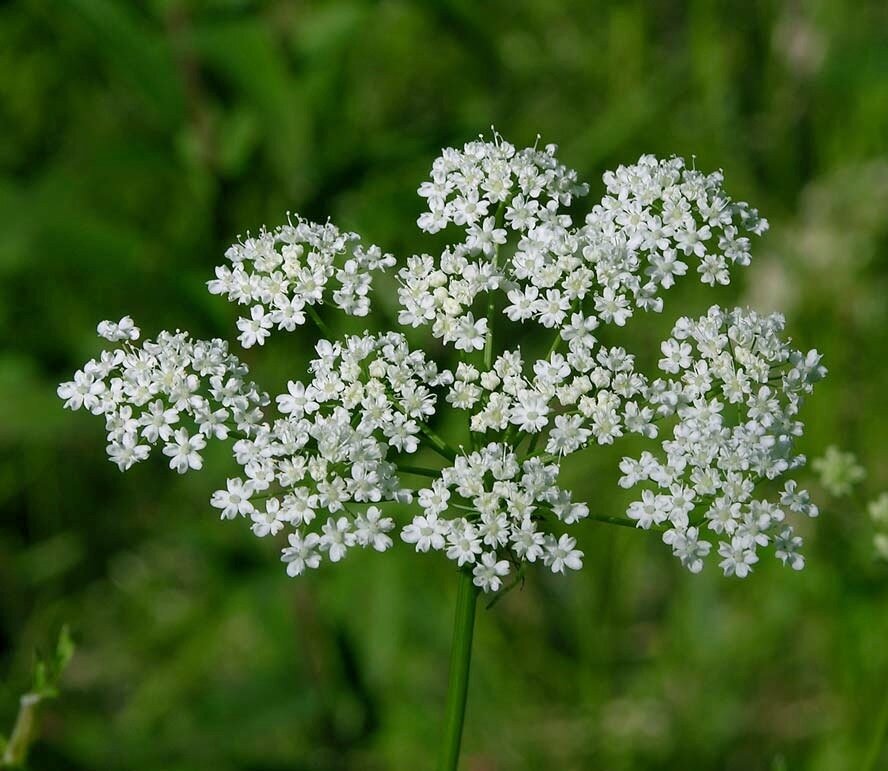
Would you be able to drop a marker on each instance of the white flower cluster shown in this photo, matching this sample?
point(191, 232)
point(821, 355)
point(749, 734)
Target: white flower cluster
point(344, 442)
point(466, 183)
point(115, 331)
point(487, 189)
point(736, 399)
point(839, 471)
point(176, 391)
point(576, 398)
point(284, 272)
point(504, 500)
point(335, 447)
point(656, 215)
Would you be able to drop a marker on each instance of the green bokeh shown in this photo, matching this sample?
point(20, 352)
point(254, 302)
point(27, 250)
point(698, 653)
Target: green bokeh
point(138, 139)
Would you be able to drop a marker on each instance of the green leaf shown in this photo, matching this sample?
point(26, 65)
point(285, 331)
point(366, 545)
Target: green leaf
point(64, 649)
point(41, 679)
point(48, 671)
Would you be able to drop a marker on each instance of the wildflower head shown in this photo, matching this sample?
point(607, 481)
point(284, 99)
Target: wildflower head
point(456, 446)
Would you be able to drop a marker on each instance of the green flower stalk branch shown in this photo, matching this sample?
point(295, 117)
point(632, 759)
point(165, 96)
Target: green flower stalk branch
point(47, 674)
point(465, 433)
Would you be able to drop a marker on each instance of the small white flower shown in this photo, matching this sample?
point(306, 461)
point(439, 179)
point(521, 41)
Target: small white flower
point(127, 451)
point(464, 544)
point(488, 572)
point(613, 308)
point(652, 509)
point(183, 451)
point(739, 557)
point(561, 554)
point(83, 391)
point(527, 541)
point(157, 420)
point(268, 522)
point(256, 329)
point(470, 335)
point(125, 329)
point(786, 549)
point(297, 401)
point(427, 532)
point(302, 553)
point(337, 538)
point(234, 499)
point(530, 412)
point(371, 528)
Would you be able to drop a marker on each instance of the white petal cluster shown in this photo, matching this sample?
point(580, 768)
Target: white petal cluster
point(572, 399)
point(335, 449)
point(115, 331)
point(488, 189)
point(348, 438)
point(734, 402)
point(656, 217)
point(505, 501)
point(467, 185)
point(175, 392)
point(283, 272)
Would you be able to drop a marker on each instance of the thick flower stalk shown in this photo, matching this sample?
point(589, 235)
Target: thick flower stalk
point(456, 447)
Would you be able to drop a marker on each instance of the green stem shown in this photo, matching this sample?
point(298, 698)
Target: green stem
point(491, 304)
point(325, 330)
point(23, 732)
point(438, 443)
point(622, 521)
point(421, 471)
point(875, 748)
point(488, 343)
point(554, 347)
point(458, 684)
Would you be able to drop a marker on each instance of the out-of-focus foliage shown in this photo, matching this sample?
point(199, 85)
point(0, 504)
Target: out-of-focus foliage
point(48, 671)
point(138, 139)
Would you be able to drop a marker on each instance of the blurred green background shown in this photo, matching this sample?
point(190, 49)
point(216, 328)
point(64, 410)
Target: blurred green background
point(138, 139)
